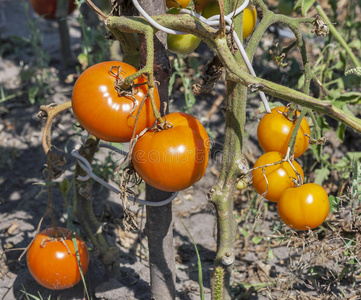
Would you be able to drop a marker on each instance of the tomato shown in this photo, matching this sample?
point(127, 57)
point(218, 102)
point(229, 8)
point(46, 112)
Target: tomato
point(249, 20)
point(102, 112)
point(52, 260)
point(279, 177)
point(200, 5)
point(304, 207)
point(184, 43)
point(173, 159)
point(211, 9)
point(181, 3)
point(249, 16)
point(47, 8)
point(274, 132)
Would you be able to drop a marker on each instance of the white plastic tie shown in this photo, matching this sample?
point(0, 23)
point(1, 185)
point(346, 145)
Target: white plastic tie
point(85, 165)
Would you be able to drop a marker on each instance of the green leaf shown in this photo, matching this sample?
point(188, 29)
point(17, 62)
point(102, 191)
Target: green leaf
point(171, 84)
point(244, 232)
point(340, 131)
point(321, 175)
point(333, 201)
point(32, 92)
point(270, 254)
point(356, 44)
point(257, 239)
point(350, 98)
point(305, 5)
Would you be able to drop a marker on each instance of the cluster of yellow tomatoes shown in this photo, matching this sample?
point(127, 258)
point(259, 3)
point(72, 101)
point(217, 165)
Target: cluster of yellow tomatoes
point(182, 44)
point(300, 206)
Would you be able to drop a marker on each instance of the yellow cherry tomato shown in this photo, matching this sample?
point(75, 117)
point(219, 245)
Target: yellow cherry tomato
point(181, 44)
point(249, 20)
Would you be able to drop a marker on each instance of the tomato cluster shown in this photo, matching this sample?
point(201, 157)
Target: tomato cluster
point(300, 206)
point(52, 258)
point(171, 156)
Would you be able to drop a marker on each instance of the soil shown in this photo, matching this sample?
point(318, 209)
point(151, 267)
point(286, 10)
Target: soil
point(267, 268)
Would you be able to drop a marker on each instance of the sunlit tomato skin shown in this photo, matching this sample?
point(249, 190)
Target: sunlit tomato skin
point(102, 112)
point(184, 43)
point(304, 207)
point(180, 4)
point(274, 132)
point(249, 16)
point(53, 263)
point(173, 159)
point(47, 8)
point(279, 177)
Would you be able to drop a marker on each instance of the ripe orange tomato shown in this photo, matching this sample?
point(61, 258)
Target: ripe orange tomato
point(180, 4)
point(184, 43)
point(47, 8)
point(279, 177)
point(173, 159)
point(53, 262)
point(102, 112)
point(304, 207)
point(274, 132)
point(249, 16)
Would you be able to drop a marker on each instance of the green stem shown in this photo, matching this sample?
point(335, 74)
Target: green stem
point(292, 142)
point(338, 36)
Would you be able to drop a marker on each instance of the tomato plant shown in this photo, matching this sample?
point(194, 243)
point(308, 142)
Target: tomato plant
point(52, 260)
point(177, 3)
point(304, 207)
point(105, 113)
point(175, 158)
point(275, 179)
point(249, 16)
point(184, 43)
point(275, 129)
point(47, 8)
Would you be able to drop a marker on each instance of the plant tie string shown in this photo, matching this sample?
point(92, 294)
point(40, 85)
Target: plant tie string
point(212, 21)
point(85, 165)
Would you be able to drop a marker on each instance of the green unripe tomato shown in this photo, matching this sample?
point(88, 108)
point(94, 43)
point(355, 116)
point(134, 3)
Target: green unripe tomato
point(181, 44)
point(211, 9)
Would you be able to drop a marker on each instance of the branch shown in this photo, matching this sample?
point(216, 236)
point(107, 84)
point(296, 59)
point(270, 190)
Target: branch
point(235, 72)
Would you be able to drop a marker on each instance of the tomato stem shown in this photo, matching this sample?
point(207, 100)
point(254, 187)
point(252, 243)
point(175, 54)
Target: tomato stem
point(292, 142)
